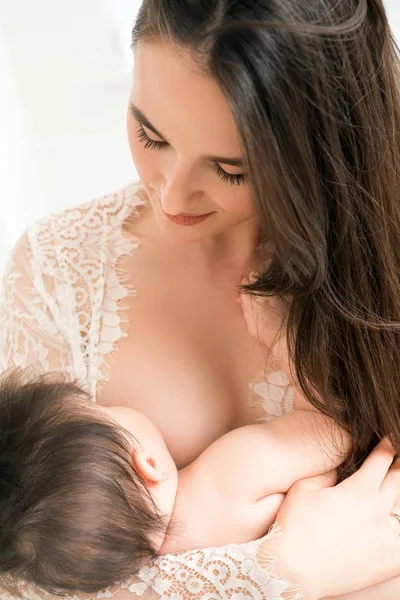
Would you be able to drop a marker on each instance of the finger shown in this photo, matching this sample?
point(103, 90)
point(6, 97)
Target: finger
point(390, 488)
point(375, 467)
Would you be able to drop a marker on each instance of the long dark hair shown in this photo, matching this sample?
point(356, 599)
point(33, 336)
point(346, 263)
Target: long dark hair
point(314, 89)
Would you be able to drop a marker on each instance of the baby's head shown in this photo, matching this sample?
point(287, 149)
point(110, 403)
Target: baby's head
point(85, 492)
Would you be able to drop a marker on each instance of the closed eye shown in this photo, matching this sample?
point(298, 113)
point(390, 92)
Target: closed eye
point(148, 142)
point(238, 179)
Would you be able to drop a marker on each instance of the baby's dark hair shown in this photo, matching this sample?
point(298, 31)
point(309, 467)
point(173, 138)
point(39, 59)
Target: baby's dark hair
point(74, 515)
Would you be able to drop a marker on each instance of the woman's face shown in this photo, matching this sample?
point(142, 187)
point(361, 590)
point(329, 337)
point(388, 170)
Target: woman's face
point(186, 147)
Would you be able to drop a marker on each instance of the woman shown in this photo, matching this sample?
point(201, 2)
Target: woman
point(264, 134)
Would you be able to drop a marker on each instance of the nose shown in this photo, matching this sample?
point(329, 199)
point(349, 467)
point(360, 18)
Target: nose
point(179, 193)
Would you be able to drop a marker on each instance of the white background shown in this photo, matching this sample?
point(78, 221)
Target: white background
point(65, 71)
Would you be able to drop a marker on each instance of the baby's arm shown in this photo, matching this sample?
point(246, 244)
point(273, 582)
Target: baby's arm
point(255, 461)
point(305, 443)
point(233, 490)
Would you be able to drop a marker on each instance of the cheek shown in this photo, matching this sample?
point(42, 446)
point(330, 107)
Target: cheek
point(238, 201)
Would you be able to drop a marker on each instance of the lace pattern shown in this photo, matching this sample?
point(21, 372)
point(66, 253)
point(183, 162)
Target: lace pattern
point(60, 306)
point(274, 393)
point(229, 573)
point(62, 309)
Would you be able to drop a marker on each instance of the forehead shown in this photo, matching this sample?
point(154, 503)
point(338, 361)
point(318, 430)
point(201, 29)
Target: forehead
point(179, 100)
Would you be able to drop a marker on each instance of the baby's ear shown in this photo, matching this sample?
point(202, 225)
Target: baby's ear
point(146, 467)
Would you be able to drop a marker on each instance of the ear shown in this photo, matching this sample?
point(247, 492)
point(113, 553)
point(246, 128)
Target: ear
point(146, 467)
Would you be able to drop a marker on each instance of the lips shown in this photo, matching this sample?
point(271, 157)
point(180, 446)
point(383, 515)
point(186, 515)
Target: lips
point(187, 219)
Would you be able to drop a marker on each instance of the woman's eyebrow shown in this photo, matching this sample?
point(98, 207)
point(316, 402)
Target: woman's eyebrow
point(234, 162)
point(143, 120)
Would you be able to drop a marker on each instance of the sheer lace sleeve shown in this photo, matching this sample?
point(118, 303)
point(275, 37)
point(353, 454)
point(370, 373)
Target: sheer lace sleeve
point(29, 311)
point(232, 572)
point(58, 305)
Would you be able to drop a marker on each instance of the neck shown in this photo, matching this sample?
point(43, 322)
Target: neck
point(235, 247)
point(230, 252)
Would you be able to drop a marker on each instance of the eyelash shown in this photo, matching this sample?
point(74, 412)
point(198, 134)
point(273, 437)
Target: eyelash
point(155, 145)
point(148, 142)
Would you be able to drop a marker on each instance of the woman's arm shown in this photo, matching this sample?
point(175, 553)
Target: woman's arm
point(33, 329)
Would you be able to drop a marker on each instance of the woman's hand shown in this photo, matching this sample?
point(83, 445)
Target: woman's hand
point(336, 540)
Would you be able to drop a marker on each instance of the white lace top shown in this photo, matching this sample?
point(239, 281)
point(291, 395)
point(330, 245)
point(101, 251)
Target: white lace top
point(62, 309)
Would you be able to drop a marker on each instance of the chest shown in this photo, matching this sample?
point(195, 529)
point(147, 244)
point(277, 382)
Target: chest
point(187, 360)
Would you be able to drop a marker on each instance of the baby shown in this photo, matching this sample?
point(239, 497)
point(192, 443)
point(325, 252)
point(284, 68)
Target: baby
point(90, 494)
